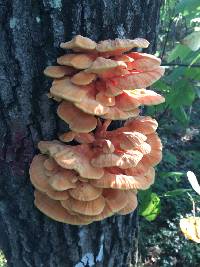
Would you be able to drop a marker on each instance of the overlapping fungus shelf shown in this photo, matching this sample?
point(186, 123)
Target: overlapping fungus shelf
point(99, 177)
point(103, 79)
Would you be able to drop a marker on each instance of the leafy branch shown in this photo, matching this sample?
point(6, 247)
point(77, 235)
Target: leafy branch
point(181, 65)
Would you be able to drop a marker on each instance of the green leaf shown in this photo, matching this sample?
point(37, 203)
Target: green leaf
point(149, 205)
point(192, 40)
point(180, 51)
point(192, 73)
point(198, 92)
point(187, 5)
point(180, 114)
point(151, 110)
point(171, 174)
point(175, 75)
point(182, 94)
point(196, 59)
point(176, 192)
point(169, 157)
point(192, 57)
point(162, 86)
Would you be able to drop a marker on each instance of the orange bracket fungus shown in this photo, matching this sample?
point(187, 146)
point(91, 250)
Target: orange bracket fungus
point(100, 176)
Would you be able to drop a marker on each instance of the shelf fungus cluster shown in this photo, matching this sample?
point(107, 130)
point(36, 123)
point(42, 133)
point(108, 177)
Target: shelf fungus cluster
point(99, 177)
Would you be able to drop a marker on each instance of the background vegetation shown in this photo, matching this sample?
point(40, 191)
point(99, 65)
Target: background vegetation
point(160, 241)
point(2, 260)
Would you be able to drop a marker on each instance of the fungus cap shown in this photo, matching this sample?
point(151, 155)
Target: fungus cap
point(54, 210)
point(154, 140)
point(115, 113)
point(79, 43)
point(50, 147)
point(139, 170)
point(85, 192)
point(145, 181)
point(83, 78)
point(126, 102)
point(78, 61)
point(78, 120)
point(66, 90)
point(78, 158)
point(127, 182)
point(123, 182)
point(105, 100)
point(37, 173)
point(93, 207)
point(59, 71)
point(50, 164)
point(67, 137)
point(155, 156)
point(115, 199)
point(85, 138)
point(124, 161)
point(135, 79)
point(63, 180)
point(143, 124)
point(91, 106)
point(124, 57)
point(134, 140)
point(113, 72)
point(106, 160)
point(130, 159)
point(118, 46)
point(57, 195)
point(135, 137)
point(102, 64)
point(114, 181)
point(107, 212)
point(143, 61)
point(131, 203)
point(145, 97)
point(107, 146)
point(103, 145)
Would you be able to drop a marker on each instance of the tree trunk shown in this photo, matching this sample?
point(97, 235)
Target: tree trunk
point(30, 33)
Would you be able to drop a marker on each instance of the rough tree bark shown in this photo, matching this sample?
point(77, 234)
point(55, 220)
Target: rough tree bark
point(30, 33)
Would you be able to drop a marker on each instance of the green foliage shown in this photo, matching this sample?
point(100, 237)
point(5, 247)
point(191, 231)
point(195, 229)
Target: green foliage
point(3, 262)
point(176, 175)
point(192, 40)
point(169, 158)
point(179, 89)
point(180, 51)
point(193, 158)
point(178, 117)
point(181, 56)
point(186, 6)
point(150, 205)
point(176, 192)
